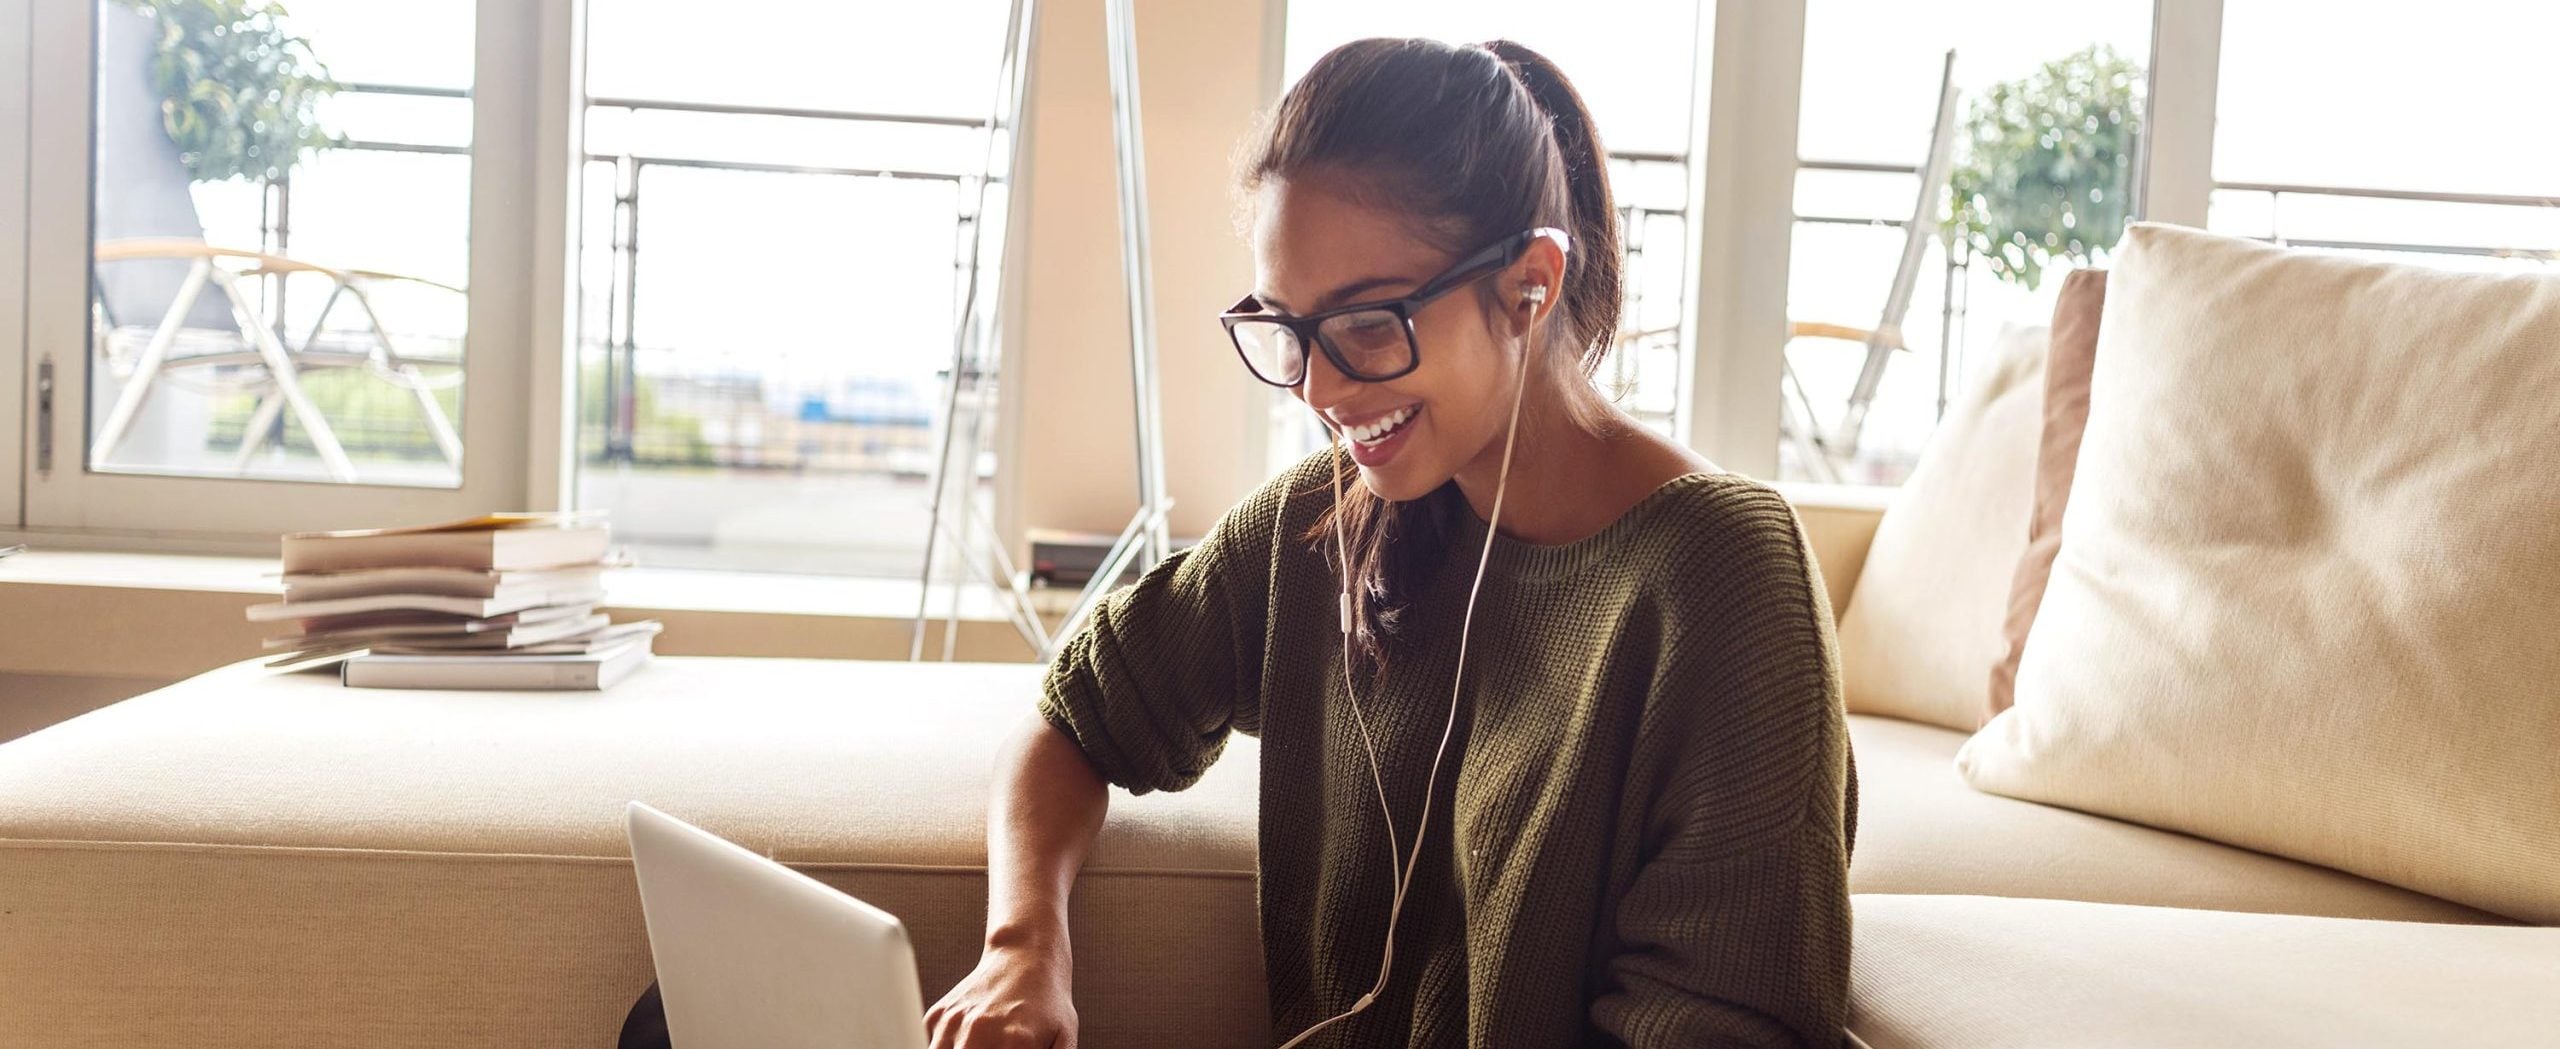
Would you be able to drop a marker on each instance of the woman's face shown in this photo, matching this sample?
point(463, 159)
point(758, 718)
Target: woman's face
point(1315, 249)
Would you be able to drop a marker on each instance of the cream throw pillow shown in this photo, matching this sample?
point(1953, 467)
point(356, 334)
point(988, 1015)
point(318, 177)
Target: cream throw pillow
point(1923, 628)
point(2308, 595)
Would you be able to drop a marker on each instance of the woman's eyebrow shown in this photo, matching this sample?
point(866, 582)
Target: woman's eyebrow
point(1336, 297)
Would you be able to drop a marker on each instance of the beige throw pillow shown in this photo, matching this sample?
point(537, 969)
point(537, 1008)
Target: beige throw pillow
point(2066, 413)
point(2305, 597)
point(1922, 631)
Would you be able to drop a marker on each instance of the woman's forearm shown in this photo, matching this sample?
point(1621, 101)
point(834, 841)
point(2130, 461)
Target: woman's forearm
point(1047, 805)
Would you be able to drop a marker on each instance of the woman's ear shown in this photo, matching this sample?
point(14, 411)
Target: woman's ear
point(1541, 279)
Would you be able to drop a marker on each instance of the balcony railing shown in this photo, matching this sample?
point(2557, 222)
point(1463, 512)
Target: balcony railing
point(621, 344)
point(1646, 365)
point(2277, 192)
point(1952, 312)
point(618, 338)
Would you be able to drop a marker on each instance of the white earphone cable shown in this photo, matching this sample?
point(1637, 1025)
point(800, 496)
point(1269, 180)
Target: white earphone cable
point(1401, 870)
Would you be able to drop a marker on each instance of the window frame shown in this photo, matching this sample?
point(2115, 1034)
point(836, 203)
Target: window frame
point(519, 426)
point(502, 375)
point(1746, 191)
point(16, 381)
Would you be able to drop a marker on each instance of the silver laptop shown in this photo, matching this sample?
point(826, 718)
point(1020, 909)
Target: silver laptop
point(753, 953)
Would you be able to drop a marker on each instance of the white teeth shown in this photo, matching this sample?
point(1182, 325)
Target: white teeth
point(1373, 432)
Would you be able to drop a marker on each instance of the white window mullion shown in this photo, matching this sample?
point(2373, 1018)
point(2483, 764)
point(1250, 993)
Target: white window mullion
point(506, 224)
point(54, 233)
point(559, 97)
point(1743, 194)
point(17, 370)
point(2186, 68)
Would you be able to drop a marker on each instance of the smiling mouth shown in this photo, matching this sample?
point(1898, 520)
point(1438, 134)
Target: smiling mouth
point(1384, 427)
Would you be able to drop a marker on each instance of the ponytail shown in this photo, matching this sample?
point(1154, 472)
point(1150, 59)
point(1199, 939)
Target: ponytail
point(1593, 282)
point(1477, 143)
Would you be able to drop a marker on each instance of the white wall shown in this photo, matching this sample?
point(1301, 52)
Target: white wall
point(1205, 70)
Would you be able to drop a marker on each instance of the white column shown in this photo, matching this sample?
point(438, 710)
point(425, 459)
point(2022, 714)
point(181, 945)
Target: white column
point(1743, 195)
point(551, 381)
point(2186, 70)
point(17, 366)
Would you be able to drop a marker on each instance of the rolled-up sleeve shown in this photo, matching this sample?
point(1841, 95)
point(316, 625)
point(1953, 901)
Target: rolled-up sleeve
point(1167, 666)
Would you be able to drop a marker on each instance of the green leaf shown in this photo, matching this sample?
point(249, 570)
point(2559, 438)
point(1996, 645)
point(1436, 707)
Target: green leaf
point(240, 94)
point(2033, 150)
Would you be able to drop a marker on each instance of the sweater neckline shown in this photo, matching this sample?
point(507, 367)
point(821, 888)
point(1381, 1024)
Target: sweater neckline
point(1522, 559)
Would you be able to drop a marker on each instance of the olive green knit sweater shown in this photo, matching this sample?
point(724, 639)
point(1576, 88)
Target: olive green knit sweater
point(1642, 831)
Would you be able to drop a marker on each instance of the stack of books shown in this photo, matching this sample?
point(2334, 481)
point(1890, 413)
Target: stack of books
point(499, 601)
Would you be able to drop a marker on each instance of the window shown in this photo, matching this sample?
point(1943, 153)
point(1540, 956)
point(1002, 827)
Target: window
point(700, 266)
point(2447, 158)
point(284, 301)
point(2037, 88)
point(1634, 63)
point(773, 237)
point(253, 297)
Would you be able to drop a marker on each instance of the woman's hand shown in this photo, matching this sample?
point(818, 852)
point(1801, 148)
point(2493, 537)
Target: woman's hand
point(1047, 806)
point(1017, 998)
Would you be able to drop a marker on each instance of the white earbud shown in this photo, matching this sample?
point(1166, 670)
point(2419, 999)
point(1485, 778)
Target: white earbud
point(1535, 294)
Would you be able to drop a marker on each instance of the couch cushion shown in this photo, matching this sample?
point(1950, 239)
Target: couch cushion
point(1985, 973)
point(1922, 830)
point(2067, 365)
point(1922, 630)
point(2301, 603)
point(303, 864)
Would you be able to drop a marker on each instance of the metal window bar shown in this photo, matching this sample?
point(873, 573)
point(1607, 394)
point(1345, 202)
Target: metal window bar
point(621, 343)
point(620, 442)
point(2277, 191)
point(1634, 221)
point(1958, 289)
point(622, 350)
point(276, 224)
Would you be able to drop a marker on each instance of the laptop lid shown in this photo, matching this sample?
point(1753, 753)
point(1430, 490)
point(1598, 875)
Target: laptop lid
point(751, 953)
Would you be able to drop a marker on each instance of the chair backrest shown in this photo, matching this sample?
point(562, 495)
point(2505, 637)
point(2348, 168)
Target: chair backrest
point(1923, 226)
point(141, 183)
point(1916, 234)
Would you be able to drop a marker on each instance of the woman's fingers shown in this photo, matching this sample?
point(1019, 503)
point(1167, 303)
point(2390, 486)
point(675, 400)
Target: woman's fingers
point(995, 1025)
point(1012, 1000)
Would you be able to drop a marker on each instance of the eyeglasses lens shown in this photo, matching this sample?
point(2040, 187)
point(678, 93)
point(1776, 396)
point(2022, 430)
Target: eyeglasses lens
point(1272, 351)
point(1374, 343)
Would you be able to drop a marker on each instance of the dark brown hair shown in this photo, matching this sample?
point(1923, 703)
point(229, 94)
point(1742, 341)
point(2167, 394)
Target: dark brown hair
point(1477, 142)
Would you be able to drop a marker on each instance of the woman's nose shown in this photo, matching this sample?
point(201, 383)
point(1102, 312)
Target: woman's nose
point(1325, 385)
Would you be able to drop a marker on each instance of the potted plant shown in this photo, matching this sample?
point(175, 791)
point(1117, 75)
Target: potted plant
point(2048, 162)
point(239, 92)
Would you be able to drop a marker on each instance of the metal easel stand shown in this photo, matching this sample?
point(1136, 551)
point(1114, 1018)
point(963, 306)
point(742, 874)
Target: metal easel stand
point(972, 395)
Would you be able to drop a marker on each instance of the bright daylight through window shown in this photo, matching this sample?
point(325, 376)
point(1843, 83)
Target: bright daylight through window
point(2444, 160)
point(771, 252)
point(2040, 133)
point(770, 233)
point(281, 297)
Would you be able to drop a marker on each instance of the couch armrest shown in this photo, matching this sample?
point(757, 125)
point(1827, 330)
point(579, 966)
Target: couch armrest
point(1839, 520)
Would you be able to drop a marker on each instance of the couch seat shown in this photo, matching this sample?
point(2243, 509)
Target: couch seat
point(1921, 829)
point(1991, 973)
point(247, 860)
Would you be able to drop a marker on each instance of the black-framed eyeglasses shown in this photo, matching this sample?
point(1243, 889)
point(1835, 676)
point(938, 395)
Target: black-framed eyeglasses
point(1366, 341)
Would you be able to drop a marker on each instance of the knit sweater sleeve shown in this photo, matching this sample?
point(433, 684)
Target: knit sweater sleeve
point(1735, 930)
point(1152, 683)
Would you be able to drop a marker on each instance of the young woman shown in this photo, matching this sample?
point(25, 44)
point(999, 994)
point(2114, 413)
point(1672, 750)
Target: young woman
point(1594, 671)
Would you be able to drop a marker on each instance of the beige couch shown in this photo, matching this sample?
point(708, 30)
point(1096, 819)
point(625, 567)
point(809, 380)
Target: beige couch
point(241, 860)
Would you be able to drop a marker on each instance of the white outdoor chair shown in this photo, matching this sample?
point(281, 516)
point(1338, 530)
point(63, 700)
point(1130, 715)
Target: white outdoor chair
point(1823, 452)
point(245, 354)
point(153, 324)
